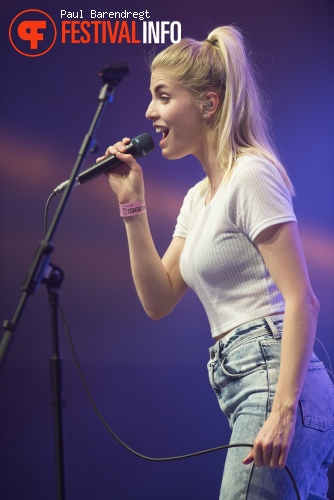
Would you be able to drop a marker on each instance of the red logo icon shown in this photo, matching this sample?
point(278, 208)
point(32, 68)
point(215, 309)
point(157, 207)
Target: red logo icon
point(32, 33)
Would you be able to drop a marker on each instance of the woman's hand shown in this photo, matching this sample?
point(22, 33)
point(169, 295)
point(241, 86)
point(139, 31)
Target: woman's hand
point(272, 444)
point(126, 181)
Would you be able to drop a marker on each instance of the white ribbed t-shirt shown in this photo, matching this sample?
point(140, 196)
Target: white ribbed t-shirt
point(219, 260)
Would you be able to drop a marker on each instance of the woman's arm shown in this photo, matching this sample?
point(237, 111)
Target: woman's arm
point(282, 253)
point(158, 281)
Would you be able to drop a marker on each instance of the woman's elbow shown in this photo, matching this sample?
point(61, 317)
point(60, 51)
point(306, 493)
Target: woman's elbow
point(157, 313)
point(314, 303)
point(306, 302)
point(311, 303)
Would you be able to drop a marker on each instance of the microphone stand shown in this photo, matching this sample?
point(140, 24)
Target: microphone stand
point(41, 270)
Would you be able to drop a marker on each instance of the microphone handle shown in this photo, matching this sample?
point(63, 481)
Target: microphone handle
point(138, 147)
point(99, 168)
point(108, 163)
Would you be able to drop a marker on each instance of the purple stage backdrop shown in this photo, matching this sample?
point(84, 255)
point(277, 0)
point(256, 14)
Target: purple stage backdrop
point(147, 378)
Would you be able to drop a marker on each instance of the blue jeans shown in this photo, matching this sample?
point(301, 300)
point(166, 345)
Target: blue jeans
point(243, 371)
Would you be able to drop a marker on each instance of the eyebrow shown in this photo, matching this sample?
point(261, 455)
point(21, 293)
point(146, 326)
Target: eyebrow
point(159, 87)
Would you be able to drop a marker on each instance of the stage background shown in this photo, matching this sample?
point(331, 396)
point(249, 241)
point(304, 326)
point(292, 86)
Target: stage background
point(148, 378)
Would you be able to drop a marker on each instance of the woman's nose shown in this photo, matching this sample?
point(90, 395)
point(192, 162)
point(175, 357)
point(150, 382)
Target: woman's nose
point(151, 112)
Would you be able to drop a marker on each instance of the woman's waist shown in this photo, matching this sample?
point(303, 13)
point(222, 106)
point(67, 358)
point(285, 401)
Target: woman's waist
point(246, 324)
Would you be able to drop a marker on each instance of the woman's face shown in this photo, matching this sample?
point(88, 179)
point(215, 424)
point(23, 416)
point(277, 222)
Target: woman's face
point(175, 113)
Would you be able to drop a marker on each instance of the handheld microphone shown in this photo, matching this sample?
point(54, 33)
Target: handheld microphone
point(138, 147)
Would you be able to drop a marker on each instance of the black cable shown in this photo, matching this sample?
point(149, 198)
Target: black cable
point(293, 482)
point(46, 212)
point(118, 439)
point(249, 479)
point(140, 455)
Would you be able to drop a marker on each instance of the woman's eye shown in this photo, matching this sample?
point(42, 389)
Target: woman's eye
point(164, 98)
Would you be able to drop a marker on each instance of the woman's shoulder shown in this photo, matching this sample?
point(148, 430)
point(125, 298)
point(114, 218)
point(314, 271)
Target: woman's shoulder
point(251, 169)
point(257, 181)
point(254, 162)
point(196, 192)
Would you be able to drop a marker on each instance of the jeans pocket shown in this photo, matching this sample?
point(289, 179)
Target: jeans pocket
point(243, 360)
point(317, 397)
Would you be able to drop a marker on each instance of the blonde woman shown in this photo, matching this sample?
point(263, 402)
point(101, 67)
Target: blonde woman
point(236, 244)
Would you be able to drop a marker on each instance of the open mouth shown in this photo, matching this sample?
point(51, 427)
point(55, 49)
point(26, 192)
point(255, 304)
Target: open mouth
point(164, 131)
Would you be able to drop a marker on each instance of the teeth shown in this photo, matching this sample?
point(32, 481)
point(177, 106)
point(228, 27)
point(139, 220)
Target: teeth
point(161, 129)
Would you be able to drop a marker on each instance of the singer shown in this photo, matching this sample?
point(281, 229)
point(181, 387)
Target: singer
point(236, 243)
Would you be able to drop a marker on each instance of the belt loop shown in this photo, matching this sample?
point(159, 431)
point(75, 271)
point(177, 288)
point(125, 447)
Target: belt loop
point(212, 353)
point(272, 326)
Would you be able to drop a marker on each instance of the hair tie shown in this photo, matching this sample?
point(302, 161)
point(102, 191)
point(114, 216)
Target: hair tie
point(211, 42)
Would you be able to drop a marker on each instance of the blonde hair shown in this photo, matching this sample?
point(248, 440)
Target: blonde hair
point(220, 64)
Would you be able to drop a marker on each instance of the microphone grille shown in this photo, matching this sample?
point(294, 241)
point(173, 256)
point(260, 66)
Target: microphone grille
point(144, 142)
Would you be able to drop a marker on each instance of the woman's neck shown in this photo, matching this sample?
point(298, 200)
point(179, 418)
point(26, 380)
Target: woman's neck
point(209, 164)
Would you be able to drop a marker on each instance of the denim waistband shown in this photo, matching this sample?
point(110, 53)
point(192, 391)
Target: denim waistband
point(246, 332)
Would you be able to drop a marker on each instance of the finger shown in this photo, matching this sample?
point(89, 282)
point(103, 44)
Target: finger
point(275, 454)
point(120, 146)
point(258, 457)
point(126, 158)
point(267, 454)
point(112, 150)
point(249, 459)
point(283, 456)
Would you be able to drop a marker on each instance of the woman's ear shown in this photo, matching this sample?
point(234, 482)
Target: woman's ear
point(209, 104)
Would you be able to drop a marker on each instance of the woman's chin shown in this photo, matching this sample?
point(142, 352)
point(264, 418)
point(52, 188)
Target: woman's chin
point(169, 154)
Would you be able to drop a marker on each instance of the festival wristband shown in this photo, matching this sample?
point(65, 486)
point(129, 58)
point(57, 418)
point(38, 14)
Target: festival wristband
point(129, 209)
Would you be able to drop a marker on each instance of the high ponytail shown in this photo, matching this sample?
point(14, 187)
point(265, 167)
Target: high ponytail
point(220, 64)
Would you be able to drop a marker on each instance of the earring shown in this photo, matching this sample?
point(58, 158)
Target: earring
point(207, 107)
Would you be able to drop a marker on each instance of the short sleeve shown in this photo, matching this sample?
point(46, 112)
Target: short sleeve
point(258, 197)
point(181, 228)
point(187, 210)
